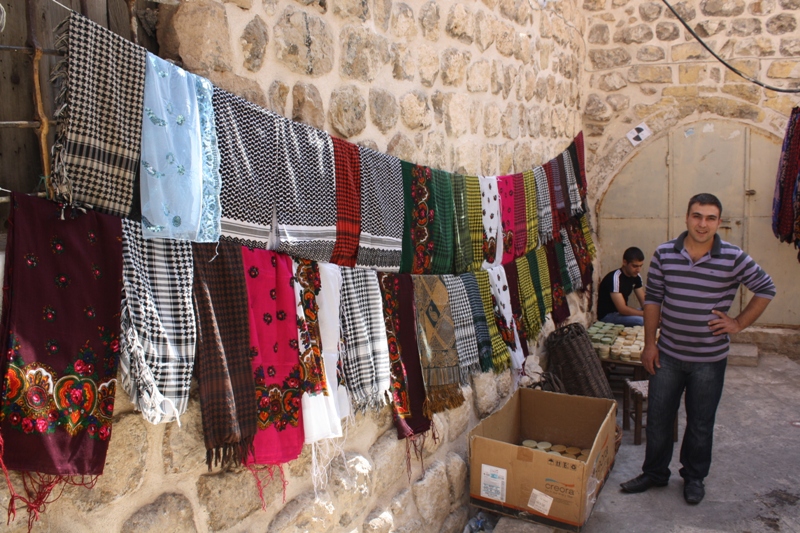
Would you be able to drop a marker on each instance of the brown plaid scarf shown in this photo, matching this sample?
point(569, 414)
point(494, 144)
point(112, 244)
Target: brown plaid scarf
point(348, 202)
point(222, 364)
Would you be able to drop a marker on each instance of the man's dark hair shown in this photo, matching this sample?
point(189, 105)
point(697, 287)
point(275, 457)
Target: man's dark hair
point(633, 254)
point(704, 199)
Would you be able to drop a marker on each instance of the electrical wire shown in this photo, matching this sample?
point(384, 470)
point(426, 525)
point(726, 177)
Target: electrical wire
point(728, 65)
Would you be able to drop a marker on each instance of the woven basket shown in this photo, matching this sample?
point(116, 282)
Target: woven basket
point(572, 358)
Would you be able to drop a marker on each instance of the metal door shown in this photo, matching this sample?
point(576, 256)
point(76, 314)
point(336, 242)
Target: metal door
point(646, 203)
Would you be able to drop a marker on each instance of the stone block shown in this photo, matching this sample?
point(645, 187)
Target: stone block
point(784, 69)
point(746, 27)
point(254, 41)
point(491, 120)
point(479, 76)
point(378, 521)
point(612, 82)
point(510, 74)
point(169, 512)
point(524, 157)
point(649, 74)
point(749, 67)
point(650, 11)
point(485, 386)
point(247, 88)
point(523, 48)
point(688, 74)
point(303, 42)
point(594, 5)
point(382, 13)
point(276, 97)
point(790, 5)
point(599, 34)
point(198, 36)
point(456, 114)
point(722, 8)
point(428, 491)
point(460, 23)
point(790, 47)
point(403, 65)
point(781, 104)
point(489, 160)
point(484, 30)
point(545, 127)
point(364, 53)
point(351, 480)
point(762, 7)
point(456, 520)
point(681, 91)
point(475, 116)
point(534, 116)
point(504, 382)
point(650, 53)
point(429, 20)
point(708, 28)
point(745, 91)
point(509, 122)
point(755, 46)
point(402, 147)
point(618, 102)
point(454, 66)
point(403, 24)
point(351, 9)
point(605, 59)
point(465, 158)
point(685, 9)
point(383, 109)
point(183, 448)
point(729, 108)
point(667, 31)
point(307, 105)
point(230, 497)
point(743, 354)
point(688, 52)
point(431, 446)
point(348, 111)
point(640, 33)
point(596, 109)
point(427, 65)
point(528, 84)
point(456, 469)
point(504, 38)
point(388, 459)
point(307, 513)
point(781, 23)
point(435, 151)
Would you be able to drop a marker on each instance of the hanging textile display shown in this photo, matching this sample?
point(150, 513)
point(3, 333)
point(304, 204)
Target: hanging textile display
point(306, 207)
point(418, 228)
point(482, 336)
point(578, 163)
point(222, 361)
point(462, 247)
point(328, 304)
point(531, 312)
point(466, 344)
point(248, 139)
point(366, 349)
point(520, 216)
point(786, 201)
point(570, 261)
point(320, 416)
point(381, 242)
point(504, 315)
point(472, 186)
point(557, 272)
point(540, 275)
point(443, 222)
point(99, 112)
point(60, 325)
point(580, 250)
point(576, 205)
point(557, 201)
point(492, 230)
point(179, 169)
point(158, 324)
point(274, 357)
point(531, 211)
point(512, 277)
point(348, 202)
point(506, 189)
point(544, 205)
point(501, 359)
point(437, 345)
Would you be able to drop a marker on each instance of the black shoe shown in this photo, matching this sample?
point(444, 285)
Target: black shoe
point(641, 483)
point(693, 491)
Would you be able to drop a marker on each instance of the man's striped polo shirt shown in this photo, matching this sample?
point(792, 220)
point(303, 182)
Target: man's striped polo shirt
point(688, 291)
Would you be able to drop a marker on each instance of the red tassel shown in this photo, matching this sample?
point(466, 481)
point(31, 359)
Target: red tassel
point(260, 483)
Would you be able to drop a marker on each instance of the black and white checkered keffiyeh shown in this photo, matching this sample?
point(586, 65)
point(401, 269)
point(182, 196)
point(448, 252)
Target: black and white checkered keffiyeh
point(248, 139)
point(381, 241)
point(99, 112)
point(466, 340)
point(543, 205)
point(482, 335)
point(158, 324)
point(576, 207)
point(366, 348)
point(572, 262)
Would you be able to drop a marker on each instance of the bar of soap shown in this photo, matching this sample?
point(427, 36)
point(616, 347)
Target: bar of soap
point(544, 446)
point(528, 443)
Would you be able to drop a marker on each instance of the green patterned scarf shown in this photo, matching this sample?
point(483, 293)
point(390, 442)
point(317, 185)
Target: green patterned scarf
point(443, 223)
point(463, 240)
point(474, 219)
point(501, 359)
point(531, 211)
point(531, 314)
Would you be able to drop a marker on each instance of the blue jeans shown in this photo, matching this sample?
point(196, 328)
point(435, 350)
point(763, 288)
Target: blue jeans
point(625, 320)
point(703, 385)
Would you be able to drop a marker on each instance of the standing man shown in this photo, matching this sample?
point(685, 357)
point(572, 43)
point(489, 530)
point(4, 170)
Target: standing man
point(690, 287)
point(616, 288)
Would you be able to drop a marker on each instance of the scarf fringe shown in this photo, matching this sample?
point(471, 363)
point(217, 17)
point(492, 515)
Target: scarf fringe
point(229, 455)
point(442, 398)
point(59, 183)
point(256, 470)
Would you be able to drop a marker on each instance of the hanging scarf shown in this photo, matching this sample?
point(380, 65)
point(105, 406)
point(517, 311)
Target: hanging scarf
point(531, 211)
point(180, 159)
point(475, 220)
point(576, 207)
point(571, 262)
point(512, 277)
point(505, 187)
point(580, 250)
point(482, 335)
point(418, 243)
point(783, 223)
point(462, 260)
point(306, 207)
point(563, 268)
point(366, 350)
point(328, 303)
point(540, 275)
point(557, 270)
point(492, 231)
point(504, 314)
point(222, 364)
point(437, 345)
point(417, 423)
point(443, 223)
point(389, 285)
point(348, 202)
point(466, 345)
point(579, 163)
point(274, 357)
point(501, 359)
point(158, 324)
point(98, 139)
point(520, 216)
point(586, 228)
point(543, 204)
point(60, 326)
point(531, 313)
point(250, 163)
point(381, 241)
point(320, 416)
point(557, 204)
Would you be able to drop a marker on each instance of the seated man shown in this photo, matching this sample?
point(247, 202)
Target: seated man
point(616, 287)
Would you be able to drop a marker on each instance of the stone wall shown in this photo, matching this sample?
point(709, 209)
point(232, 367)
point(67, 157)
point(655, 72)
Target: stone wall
point(486, 87)
point(643, 66)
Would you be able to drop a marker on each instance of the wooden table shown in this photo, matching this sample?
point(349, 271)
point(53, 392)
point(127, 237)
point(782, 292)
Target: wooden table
point(617, 370)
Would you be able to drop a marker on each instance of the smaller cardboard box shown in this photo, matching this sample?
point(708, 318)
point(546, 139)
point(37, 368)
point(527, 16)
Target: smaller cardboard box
point(511, 479)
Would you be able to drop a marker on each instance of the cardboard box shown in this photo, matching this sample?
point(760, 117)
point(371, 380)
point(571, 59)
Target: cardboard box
point(511, 479)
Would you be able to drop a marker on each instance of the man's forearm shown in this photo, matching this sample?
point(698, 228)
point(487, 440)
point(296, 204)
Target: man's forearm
point(652, 317)
point(754, 308)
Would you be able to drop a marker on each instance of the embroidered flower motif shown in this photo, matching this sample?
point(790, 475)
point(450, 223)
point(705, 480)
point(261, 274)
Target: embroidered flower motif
point(91, 237)
point(293, 344)
point(274, 261)
point(281, 315)
point(62, 281)
point(27, 425)
point(274, 295)
point(13, 346)
point(31, 261)
point(52, 347)
point(275, 348)
point(89, 312)
point(253, 272)
point(176, 221)
point(267, 318)
point(48, 313)
point(96, 272)
point(57, 245)
point(271, 371)
point(253, 352)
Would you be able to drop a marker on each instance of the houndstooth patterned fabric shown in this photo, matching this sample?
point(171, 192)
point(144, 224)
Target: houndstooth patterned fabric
point(543, 205)
point(366, 348)
point(248, 139)
point(381, 211)
point(158, 324)
point(466, 343)
point(576, 207)
point(482, 335)
point(573, 268)
point(96, 153)
point(306, 191)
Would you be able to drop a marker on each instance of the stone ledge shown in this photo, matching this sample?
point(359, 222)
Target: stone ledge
point(743, 354)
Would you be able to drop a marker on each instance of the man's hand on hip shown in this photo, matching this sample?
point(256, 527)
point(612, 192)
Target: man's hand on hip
point(650, 359)
point(723, 324)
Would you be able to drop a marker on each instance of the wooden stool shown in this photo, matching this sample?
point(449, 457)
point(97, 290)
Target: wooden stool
point(636, 391)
